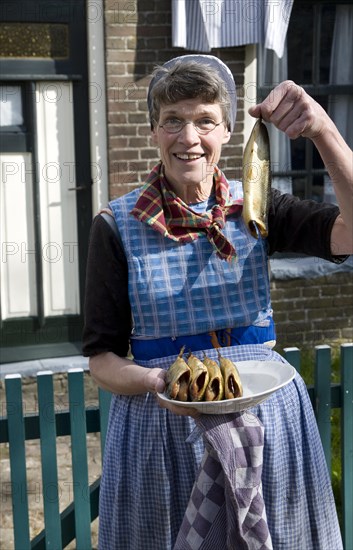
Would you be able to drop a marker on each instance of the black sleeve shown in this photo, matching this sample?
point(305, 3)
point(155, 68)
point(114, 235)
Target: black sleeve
point(301, 226)
point(107, 325)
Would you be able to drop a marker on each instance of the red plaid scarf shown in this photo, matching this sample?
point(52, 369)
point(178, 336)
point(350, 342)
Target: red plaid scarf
point(165, 212)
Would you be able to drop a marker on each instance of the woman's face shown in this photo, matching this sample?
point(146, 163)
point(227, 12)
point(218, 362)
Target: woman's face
point(189, 157)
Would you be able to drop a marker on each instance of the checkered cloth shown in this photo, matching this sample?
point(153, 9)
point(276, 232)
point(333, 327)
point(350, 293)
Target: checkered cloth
point(226, 507)
point(165, 212)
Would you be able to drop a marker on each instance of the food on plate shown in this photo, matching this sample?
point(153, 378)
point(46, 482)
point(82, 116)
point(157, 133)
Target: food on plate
point(214, 389)
point(194, 380)
point(198, 379)
point(232, 383)
point(177, 379)
point(257, 180)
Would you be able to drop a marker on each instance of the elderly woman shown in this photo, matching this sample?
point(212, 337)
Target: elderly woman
point(177, 267)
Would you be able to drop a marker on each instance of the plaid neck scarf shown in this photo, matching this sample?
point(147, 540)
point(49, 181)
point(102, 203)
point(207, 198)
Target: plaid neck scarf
point(165, 212)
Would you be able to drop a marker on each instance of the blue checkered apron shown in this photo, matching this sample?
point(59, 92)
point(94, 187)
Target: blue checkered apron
point(180, 289)
point(152, 457)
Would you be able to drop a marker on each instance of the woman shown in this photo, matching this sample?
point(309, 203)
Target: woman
point(183, 270)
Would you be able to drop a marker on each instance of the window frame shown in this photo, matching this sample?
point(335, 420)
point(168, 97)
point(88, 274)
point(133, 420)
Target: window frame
point(316, 89)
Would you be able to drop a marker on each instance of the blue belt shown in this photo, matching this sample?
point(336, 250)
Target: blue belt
point(162, 347)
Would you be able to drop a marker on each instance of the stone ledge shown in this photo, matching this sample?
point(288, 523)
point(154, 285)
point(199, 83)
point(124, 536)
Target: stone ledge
point(56, 364)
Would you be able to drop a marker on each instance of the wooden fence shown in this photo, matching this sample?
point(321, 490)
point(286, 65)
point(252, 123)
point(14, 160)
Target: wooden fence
point(75, 521)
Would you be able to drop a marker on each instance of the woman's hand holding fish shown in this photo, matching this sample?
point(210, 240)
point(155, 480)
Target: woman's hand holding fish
point(155, 380)
point(292, 111)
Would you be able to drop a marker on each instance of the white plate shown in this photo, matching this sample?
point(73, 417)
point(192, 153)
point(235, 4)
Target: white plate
point(260, 380)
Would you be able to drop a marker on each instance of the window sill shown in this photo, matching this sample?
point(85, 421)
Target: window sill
point(306, 267)
point(32, 359)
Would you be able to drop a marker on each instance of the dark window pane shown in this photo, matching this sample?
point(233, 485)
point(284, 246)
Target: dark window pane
point(328, 15)
point(300, 43)
point(309, 42)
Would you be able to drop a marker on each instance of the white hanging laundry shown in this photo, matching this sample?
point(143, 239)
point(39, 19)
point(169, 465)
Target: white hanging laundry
point(201, 25)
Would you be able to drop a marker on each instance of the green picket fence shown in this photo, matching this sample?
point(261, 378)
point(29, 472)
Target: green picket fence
point(75, 521)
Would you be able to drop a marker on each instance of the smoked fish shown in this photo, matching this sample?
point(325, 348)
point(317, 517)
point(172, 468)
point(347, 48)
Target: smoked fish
point(177, 379)
point(198, 379)
point(232, 383)
point(257, 180)
point(215, 387)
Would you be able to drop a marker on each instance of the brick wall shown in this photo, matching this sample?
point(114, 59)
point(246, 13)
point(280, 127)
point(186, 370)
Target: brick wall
point(138, 36)
point(311, 312)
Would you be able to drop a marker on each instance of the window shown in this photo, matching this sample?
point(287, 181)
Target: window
point(11, 108)
point(318, 58)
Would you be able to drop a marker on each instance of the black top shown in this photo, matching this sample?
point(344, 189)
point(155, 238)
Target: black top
point(295, 226)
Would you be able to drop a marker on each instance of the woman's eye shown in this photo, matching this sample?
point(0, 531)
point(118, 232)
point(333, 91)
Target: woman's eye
point(206, 121)
point(172, 121)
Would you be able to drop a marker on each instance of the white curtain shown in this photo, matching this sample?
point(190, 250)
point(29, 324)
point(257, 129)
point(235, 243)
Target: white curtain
point(340, 108)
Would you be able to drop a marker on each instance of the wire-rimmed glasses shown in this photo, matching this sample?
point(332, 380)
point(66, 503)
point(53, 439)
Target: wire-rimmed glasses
point(202, 126)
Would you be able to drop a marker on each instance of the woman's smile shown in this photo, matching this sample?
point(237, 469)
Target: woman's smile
point(189, 156)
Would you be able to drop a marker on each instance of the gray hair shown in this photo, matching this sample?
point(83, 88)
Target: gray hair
point(197, 77)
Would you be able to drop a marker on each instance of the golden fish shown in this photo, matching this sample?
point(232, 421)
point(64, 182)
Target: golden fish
point(232, 383)
point(214, 389)
point(199, 378)
point(257, 180)
point(177, 379)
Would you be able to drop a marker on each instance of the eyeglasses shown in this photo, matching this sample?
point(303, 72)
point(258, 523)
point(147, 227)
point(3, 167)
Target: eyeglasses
point(203, 126)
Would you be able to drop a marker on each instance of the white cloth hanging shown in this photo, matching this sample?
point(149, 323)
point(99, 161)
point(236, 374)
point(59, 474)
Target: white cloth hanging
point(201, 25)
